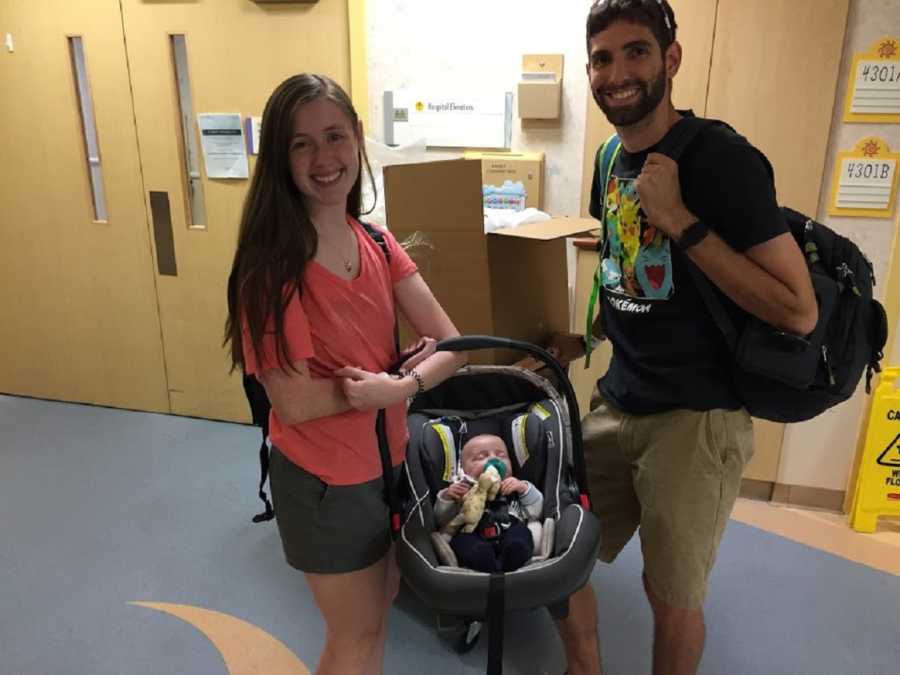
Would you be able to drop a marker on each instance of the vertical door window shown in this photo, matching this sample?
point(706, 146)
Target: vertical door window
point(88, 127)
point(196, 216)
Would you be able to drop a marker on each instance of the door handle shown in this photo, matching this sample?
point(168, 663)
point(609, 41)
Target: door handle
point(161, 216)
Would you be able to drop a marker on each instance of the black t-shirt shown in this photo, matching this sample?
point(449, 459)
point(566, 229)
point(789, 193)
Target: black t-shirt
point(667, 351)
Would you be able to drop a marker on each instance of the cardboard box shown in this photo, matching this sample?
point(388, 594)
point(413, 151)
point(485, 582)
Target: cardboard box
point(510, 283)
point(499, 167)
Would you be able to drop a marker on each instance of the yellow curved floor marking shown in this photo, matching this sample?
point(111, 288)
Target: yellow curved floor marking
point(246, 649)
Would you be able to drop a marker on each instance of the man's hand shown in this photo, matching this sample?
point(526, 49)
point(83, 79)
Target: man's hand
point(511, 484)
point(660, 191)
point(566, 347)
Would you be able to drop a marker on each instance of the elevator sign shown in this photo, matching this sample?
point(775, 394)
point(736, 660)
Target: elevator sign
point(450, 119)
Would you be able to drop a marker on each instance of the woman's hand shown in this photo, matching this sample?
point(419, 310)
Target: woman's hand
point(511, 484)
point(422, 348)
point(370, 391)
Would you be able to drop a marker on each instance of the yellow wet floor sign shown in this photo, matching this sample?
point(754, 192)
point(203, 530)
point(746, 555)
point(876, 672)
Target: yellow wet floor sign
point(878, 482)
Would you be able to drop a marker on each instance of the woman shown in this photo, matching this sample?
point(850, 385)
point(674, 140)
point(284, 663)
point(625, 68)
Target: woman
point(312, 301)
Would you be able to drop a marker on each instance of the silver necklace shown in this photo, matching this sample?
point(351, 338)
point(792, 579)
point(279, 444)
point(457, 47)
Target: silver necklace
point(348, 260)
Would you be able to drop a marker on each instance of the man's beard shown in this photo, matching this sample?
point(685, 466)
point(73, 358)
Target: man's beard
point(650, 96)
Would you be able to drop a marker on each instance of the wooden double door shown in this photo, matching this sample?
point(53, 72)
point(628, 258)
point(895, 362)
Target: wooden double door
point(115, 248)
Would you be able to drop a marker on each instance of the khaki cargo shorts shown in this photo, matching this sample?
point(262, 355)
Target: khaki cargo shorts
point(675, 475)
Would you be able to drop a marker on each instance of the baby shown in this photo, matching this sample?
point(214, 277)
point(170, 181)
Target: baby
point(502, 541)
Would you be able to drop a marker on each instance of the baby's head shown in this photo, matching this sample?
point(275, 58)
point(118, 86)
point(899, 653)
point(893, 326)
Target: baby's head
point(479, 450)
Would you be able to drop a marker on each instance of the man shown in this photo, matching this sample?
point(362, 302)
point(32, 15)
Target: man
point(667, 438)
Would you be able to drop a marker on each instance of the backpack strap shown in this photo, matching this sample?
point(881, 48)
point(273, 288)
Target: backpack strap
point(714, 306)
point(378, 237)
point(683, 133)
point(674, 145)
point(391, 495)
point(606, 159)
point(259, 412)
point(264, 450)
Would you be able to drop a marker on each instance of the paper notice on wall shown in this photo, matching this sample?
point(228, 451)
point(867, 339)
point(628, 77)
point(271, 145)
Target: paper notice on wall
point(224, 148)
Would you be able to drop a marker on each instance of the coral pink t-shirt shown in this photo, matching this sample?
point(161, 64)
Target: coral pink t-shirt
point(338, 322)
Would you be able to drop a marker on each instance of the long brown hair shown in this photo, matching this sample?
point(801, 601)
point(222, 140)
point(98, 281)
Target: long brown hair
point(277, 238)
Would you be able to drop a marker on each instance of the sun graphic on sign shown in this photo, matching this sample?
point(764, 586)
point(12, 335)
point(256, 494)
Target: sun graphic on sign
point(870, 149)
point(887, 49)
point(420, 106)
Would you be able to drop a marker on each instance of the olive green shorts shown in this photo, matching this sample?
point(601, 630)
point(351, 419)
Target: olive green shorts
point(675, 475)
point(328, 529)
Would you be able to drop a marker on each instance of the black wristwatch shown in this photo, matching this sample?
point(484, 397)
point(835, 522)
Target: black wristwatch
point(692, 235)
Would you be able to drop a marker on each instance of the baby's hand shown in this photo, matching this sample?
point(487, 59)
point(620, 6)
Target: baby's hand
point(511, 484)
point(458, 490)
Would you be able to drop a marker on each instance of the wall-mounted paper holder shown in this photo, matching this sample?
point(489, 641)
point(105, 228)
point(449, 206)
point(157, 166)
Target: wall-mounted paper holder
point(540, 88)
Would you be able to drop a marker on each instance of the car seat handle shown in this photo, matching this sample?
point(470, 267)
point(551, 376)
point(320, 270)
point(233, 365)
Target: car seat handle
point(467, 343)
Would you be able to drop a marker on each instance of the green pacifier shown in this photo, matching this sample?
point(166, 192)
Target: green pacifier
point(497, 464)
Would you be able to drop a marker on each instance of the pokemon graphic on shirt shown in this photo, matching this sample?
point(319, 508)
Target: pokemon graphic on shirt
point(638, 260)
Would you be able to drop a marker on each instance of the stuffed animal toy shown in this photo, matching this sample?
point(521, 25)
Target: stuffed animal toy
point(483, 491)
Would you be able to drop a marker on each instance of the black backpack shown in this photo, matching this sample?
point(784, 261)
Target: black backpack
point(778, 376)
point(260, 405)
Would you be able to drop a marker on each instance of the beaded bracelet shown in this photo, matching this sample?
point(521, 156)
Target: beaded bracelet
point(420, 382)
